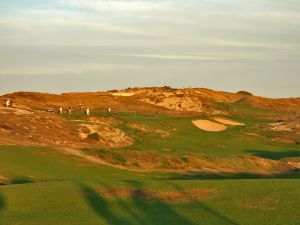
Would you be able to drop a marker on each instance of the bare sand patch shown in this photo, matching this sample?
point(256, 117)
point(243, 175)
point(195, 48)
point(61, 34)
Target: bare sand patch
point(228, 122)
point(123, 94)
point(17, 111)
point(208, 125)
point(3, 180)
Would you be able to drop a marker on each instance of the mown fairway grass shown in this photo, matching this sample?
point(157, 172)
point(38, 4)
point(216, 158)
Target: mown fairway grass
point(47, 187)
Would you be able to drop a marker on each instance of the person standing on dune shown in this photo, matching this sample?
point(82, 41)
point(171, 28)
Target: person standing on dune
point(7, 103)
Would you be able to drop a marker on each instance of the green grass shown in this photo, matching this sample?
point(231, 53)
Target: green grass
point(60, 190)
point(47, 187)
point(188, 139)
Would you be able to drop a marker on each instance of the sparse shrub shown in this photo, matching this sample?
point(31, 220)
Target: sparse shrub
point(120, 158)
point(158, 101)
point(167, 88)
point(296, 170)
point(244, 93)
point(94, 136)
point(111, 156)
point(136, 164)
point(184, 159)
point(223, 106)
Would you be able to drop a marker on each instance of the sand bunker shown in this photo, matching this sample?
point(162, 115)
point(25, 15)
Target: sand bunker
point(209, 125)
point(123, 94)
point(228, 122)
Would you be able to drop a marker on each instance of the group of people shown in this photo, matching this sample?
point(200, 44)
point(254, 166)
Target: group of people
point(8, 103)
point(87, 110)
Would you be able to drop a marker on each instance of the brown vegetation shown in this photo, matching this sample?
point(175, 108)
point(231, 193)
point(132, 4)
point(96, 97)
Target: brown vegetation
point(155, 195)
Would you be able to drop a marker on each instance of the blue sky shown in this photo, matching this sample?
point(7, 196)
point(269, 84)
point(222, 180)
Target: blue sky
point(91, 45)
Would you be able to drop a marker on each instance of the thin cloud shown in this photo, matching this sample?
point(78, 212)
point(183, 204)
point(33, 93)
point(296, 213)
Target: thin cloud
point(101, 5)
point(71, 69)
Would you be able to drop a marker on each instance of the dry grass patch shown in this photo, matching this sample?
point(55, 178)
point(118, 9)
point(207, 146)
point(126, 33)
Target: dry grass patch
point(265, 203)
point(156, 195)
point(146, 129)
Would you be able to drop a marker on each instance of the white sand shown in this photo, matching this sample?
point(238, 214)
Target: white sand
point(209, 125)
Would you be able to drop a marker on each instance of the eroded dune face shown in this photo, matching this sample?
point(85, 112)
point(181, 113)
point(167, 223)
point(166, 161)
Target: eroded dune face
point(208, 125)
point(27, 127)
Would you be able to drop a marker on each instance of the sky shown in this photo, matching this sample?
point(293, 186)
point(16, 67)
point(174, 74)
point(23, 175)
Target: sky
point(94, 45)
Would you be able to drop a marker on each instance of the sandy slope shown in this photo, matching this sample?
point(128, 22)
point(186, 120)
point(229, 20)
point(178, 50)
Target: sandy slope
point(123, 94)
point(228, 122)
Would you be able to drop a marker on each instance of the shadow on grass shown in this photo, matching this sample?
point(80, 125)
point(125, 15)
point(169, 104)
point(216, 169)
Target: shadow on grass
point(275, 155)
point(208, 211)
point(230, 176)
point(156, 212)
point(137, 211)
point(2, 206)
point(159, 212)
point(21, 180)
point(101, 207)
